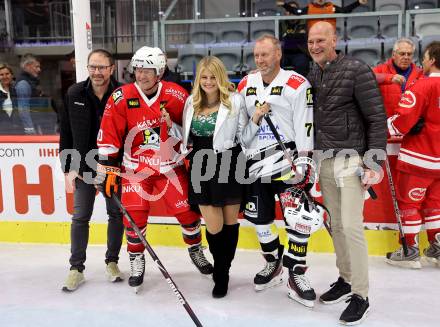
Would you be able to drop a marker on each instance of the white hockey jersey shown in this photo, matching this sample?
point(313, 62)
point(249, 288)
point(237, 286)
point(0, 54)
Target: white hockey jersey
point(290, 98)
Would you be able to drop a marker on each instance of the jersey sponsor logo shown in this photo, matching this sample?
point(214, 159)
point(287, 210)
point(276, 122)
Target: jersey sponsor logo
point(264, 234)
point(417, 194)
point(251, 208)
point(133, 103)
point(146, 124)
point(150, 161)
point(242, 84)
point(107, 108)
point(117, 96)
point(276, 90)
point(295, 81)
point(251, 91)
point(264, 133)
point(176, 93)
point(181, 204)
point(309, 96)
point(299, 249)
point(408, 100)
point(131, 188)
point(151, 139)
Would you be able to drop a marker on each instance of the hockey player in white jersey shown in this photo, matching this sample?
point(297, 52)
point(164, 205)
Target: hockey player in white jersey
point(286, 96)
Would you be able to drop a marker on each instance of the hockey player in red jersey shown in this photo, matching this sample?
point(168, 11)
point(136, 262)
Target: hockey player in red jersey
point(140, 131)
point(418, 165)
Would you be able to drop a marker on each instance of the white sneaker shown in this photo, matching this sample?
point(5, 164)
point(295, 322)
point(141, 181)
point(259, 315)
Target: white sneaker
point(74, 279)
point(113, 273)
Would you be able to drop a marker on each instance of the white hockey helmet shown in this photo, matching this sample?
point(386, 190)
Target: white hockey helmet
point(147, 57)
point(300, 212)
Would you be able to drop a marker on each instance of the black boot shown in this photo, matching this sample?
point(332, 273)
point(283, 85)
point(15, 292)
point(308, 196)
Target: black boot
point(220, 274)
point(231, 240)
point(222, 246)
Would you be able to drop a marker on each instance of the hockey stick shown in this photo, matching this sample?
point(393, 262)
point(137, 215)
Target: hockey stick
point(287, 156)
point(396, 207)
point(159, 264)
point(286, 153)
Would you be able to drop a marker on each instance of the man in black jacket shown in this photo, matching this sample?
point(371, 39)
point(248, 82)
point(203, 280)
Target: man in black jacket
point(80, 121)
point(350, 131)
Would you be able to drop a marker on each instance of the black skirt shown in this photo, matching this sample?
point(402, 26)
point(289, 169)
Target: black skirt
point(220, 190)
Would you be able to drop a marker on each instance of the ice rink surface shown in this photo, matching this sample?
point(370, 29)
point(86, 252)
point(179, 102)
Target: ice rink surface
point(31, 277)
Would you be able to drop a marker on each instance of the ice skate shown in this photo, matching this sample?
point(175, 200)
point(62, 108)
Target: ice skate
point(199, 260)
point(113, 273)
point(272, 274)
point(73, 281)
point(299, 287)
point(398, 258)
point(432, 253)
point(137, 266)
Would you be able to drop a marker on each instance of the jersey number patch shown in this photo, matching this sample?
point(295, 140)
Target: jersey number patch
point(308, 127)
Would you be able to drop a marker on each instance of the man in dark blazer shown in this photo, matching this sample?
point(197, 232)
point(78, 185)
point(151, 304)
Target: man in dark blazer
point(79, 125)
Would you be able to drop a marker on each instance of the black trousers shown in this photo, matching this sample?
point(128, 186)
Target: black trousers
point(83, 202)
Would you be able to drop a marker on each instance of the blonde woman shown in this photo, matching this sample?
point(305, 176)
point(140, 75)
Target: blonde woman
point(211, 124)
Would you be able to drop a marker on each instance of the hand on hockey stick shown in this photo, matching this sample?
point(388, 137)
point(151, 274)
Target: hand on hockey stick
point(107, 177)
point(261, 109)
point(370, 177)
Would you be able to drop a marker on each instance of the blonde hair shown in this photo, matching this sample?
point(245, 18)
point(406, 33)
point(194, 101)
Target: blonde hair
point(216, 67)
point(276, 43)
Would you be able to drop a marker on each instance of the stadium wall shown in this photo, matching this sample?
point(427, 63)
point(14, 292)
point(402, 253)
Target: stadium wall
point(34, 207)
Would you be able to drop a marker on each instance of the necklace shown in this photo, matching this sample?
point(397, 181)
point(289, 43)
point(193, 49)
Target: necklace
point(212, 104)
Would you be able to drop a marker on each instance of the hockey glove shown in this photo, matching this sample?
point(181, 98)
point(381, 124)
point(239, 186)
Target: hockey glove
point(304, 173)
point(417, 128)
point(107, 177)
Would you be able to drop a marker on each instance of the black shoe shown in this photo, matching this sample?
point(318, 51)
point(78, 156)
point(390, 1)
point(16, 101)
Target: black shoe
point(339, 291)
point(356, 311)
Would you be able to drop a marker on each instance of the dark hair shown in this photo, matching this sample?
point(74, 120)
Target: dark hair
point(433, 51)
point(6, 66)
point(103, 52)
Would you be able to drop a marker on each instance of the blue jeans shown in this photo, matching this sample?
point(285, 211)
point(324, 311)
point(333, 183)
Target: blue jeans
point(83, 202)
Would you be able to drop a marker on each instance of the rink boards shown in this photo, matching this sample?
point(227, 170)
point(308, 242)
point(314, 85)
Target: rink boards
point(35, 208)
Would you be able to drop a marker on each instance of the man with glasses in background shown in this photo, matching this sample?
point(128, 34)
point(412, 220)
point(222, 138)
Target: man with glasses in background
point(80, 120)
point(397, 74)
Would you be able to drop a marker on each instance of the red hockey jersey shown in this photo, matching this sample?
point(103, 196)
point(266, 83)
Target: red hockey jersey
point(133, 123)
point(420, 153)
